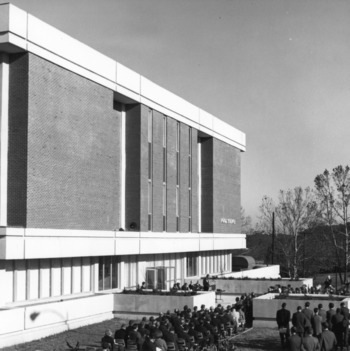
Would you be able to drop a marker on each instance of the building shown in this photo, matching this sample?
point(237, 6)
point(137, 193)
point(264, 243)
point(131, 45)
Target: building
point(105, 178)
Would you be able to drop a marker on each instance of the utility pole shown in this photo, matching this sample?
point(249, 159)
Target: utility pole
point(273, 237)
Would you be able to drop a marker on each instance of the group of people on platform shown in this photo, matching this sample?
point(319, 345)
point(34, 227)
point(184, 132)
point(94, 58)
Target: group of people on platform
point(314, 329)
point(197, 328)
point(327, 288)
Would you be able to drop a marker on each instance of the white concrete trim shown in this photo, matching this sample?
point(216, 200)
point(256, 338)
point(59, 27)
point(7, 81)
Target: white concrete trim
point(4, 117)
point(33, 35)
point(115, 243)
point(41, 232)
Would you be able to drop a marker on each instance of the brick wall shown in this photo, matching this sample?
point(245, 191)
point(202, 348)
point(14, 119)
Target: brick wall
point(207, 185)
point(221, 187)
point(226, 187)
point(18, 140)
point(73, 150)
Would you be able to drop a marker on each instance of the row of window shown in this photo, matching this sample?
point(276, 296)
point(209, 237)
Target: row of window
point(37, 279)
point(178, 169)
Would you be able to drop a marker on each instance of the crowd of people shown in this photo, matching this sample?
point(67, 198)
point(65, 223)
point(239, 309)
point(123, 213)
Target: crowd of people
point(314, 328)
point(196, 329)
point(326, 288)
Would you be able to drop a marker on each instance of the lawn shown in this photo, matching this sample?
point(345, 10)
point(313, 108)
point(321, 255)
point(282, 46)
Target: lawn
point(257, 339)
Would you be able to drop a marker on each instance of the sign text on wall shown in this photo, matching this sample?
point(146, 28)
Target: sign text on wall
point(228, 221)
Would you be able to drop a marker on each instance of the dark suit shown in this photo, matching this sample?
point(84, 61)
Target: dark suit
point(310, 343)
point(345, 313)
point(323, 314)
point(299, 321)
point(294, 343)
point(282, 319)
point(330, 313)
point(308, 314)
point(328, 340)
point(338, 328)
point(316, 322)
point(120, 334)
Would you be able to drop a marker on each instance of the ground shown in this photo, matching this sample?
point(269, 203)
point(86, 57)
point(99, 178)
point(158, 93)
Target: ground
point(256, 339)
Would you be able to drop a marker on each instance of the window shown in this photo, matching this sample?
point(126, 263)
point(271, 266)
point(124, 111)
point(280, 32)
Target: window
point(190, 181)
point(192, 265)
point(107, 273)
point(164, 198)
point(150, 169)
point(177, 199)
point(34, 279)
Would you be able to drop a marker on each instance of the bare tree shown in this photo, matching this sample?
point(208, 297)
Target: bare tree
point(246, 222)
point(295, 212)
point(333, 190)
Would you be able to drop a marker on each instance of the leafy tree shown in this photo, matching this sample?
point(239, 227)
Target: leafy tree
point(295, 211)
point(333, 190)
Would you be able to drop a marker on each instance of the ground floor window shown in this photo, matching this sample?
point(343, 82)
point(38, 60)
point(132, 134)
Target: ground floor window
point(191, 264)
point(108, 273)
point(28, 280)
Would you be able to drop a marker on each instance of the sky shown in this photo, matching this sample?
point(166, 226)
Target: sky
point(277, 70)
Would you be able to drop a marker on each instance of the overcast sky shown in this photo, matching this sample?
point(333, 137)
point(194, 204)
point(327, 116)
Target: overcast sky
point(277, 70)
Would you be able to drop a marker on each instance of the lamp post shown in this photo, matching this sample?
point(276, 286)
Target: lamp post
point(273, 238)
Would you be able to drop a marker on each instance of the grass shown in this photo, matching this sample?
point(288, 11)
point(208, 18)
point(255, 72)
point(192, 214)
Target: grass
point(257, 339)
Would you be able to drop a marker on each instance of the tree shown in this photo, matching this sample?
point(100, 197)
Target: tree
point(295, 212)
point(246, 223)
point(333, 190)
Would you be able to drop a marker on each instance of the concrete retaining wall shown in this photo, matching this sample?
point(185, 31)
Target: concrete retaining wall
point(27, 323)
point(153, 304)
point(240, 286)
point(266, 306)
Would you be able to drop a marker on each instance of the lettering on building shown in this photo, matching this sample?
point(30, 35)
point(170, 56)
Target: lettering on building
point(228, 221)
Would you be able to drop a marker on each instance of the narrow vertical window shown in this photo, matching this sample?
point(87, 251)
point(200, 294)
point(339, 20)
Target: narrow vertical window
point(164, 198)
point(199, 186)
point(190, 180)
point(178, 176)
point(150, 168)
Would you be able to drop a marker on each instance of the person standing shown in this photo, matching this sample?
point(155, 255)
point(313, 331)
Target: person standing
point(322, 313)
point(330, 314)
point(299, 321)
point(310, 343)
point(338, 328)
point(316, 322)
point(206, 284)
point(282, 319)
point(328, 341)
point(327, 283)
point(345, 312)
point(308, 313)
point(294, 342)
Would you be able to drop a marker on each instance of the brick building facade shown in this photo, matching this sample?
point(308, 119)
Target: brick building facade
point(103, 175)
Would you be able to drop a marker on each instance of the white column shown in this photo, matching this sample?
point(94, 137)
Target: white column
point(4, 110)
point(121, 274)
point(94, 274)
point(199, 265)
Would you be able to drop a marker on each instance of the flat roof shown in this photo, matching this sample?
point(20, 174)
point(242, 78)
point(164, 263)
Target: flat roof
point(22, 32)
